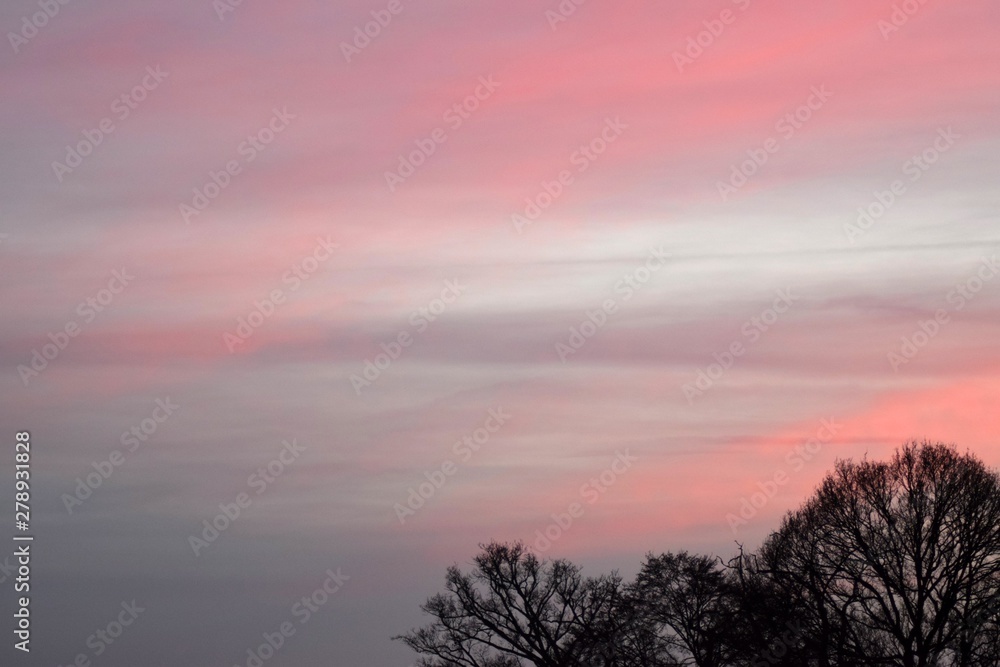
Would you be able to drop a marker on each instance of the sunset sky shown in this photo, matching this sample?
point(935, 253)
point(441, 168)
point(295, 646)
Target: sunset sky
point(649, 258)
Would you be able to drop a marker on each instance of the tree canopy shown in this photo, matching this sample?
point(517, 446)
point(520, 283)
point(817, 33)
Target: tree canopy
point(889, 563)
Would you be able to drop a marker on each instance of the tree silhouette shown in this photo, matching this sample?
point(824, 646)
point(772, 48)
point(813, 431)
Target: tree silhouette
point(893, 563)
point(690, 602)
point(513, 608)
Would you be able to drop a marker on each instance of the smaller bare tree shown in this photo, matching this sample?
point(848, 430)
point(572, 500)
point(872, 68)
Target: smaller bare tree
point(514, 609)
point(691, 604)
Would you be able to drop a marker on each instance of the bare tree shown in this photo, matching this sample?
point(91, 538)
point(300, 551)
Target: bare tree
point(514, 609)
point(771, 625)
point(895, 562)
point(691, 605)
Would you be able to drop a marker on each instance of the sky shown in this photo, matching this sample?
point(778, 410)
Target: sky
point(309, 299)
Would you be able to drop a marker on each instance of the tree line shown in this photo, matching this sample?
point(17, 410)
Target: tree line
point(888, 563)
